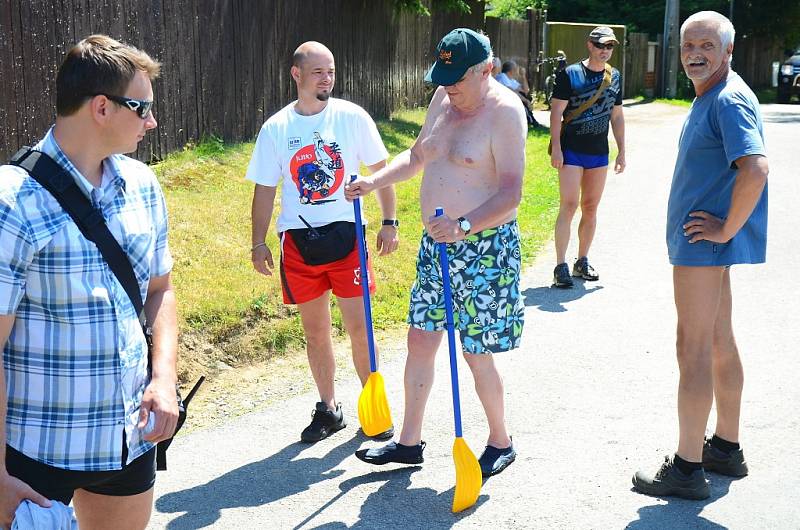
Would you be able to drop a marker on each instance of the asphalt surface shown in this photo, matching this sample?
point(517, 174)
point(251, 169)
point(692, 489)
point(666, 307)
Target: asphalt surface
point(591, 395)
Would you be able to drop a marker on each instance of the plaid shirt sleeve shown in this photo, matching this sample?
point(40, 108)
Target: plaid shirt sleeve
point(161, 262)
point(16, 254)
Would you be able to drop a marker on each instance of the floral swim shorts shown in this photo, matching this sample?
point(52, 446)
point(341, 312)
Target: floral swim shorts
point(484, 277)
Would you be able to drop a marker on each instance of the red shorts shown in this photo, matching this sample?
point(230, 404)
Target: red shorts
point(303, 283)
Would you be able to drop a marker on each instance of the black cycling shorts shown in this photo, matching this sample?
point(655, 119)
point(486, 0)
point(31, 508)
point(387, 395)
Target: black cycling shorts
point(60, 484)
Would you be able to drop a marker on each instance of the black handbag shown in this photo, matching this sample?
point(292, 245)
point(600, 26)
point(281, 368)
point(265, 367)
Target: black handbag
point(324, 244)
point(91, 223)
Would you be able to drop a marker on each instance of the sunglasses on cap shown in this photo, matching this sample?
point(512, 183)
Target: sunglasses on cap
point(141, 107)
point(607, 46)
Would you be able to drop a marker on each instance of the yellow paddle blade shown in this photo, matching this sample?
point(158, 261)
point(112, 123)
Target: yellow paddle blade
point(373, 408)
point(468, 476)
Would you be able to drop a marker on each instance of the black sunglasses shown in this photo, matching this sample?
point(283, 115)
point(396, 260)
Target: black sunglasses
point(608, 46)
point(141, 107)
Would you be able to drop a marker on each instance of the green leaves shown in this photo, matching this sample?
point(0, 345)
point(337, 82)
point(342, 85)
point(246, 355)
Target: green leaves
point(419, 7)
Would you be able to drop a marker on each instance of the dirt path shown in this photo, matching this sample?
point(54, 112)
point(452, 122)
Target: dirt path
point(591, 395)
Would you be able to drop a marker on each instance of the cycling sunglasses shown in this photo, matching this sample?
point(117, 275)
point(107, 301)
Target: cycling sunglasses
point(607, 46)
point(141, 107)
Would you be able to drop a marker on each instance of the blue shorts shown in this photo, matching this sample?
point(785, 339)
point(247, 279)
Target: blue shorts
point(572, 158)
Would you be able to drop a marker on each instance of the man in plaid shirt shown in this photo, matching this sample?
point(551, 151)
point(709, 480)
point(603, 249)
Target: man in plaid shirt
point(79, 413)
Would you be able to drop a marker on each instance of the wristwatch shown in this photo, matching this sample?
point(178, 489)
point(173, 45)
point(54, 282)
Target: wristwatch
point(465, 225)
point(391, 222)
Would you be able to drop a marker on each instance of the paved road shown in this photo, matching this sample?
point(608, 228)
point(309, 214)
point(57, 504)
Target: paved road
point(591, 395)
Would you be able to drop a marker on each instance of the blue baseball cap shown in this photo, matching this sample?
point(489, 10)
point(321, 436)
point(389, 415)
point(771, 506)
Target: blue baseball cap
point(455, 53)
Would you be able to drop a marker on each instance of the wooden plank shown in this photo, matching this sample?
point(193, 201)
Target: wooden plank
point(8, 97)
point(225, 62)
point(36, 117)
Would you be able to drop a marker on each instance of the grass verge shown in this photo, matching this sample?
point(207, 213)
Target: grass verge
point(229, 315)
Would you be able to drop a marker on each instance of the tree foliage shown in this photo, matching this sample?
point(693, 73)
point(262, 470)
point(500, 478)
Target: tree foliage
point(513, 8)
point(419, 6)
point(779, 19)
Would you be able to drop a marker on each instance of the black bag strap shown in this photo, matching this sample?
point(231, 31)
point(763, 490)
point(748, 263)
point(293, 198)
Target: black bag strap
point(90, 220)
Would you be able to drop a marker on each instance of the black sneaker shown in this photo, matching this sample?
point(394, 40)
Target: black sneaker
point(494, 460)
point(561, 277)
point(717, 461)
point(582, 269)
point(323, 423)
point(393, 452)
point(670, 481)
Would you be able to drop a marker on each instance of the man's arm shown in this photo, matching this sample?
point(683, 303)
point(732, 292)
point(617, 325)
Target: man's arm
point(618, 128)
point(12, 490)
point(750, 181)
point(557, 108)
point(261, 215)
point(508, 133)
point(388, 239)
point(406, 164)
point(159, 396)
point(523, 79)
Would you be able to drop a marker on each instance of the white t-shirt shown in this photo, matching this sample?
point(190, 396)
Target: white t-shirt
point(315, 156)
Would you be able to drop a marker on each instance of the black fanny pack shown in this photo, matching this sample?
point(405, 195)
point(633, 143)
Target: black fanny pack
point(324, 244)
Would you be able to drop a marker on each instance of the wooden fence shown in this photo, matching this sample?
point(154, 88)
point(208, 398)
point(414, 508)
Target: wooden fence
point(225, 62)
point(520, 41)
point(510, 39)
point(753, 58)
point(635, 64)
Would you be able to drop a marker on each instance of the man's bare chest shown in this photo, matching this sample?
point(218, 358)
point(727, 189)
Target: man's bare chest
point(464, 141)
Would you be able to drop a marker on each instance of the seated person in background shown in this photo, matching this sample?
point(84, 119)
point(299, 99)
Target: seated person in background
point(508, 78)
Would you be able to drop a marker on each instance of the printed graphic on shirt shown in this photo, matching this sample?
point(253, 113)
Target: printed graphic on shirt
point(587, 133)
point(317, 171)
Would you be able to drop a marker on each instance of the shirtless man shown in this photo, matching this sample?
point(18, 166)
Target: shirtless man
point(472, 151)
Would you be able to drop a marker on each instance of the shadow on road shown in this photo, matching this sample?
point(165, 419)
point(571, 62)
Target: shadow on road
point(552, 299)
point(396, 504)
point(780, 118)
point(680, 513)
point(637, 103)
point(276, 477)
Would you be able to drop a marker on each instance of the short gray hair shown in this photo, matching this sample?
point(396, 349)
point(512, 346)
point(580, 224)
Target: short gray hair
point(478, 68)
point(724, 26)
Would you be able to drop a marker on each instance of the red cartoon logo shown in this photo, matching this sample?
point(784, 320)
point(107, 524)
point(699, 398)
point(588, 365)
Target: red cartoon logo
point(317, 171)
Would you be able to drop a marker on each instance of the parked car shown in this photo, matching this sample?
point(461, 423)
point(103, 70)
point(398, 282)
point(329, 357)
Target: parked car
point(789, 78)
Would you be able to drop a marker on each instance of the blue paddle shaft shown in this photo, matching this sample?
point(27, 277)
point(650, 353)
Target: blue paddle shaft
point(362, 258)
point(451, 332)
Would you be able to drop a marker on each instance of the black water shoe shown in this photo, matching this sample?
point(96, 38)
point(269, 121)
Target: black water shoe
point(393, 452)
point(494, 460)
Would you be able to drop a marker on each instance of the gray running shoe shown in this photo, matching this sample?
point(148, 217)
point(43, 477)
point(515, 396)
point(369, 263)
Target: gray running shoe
point(561, 277)
point(717, 461)
point(670, 481)
point(582, 269)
